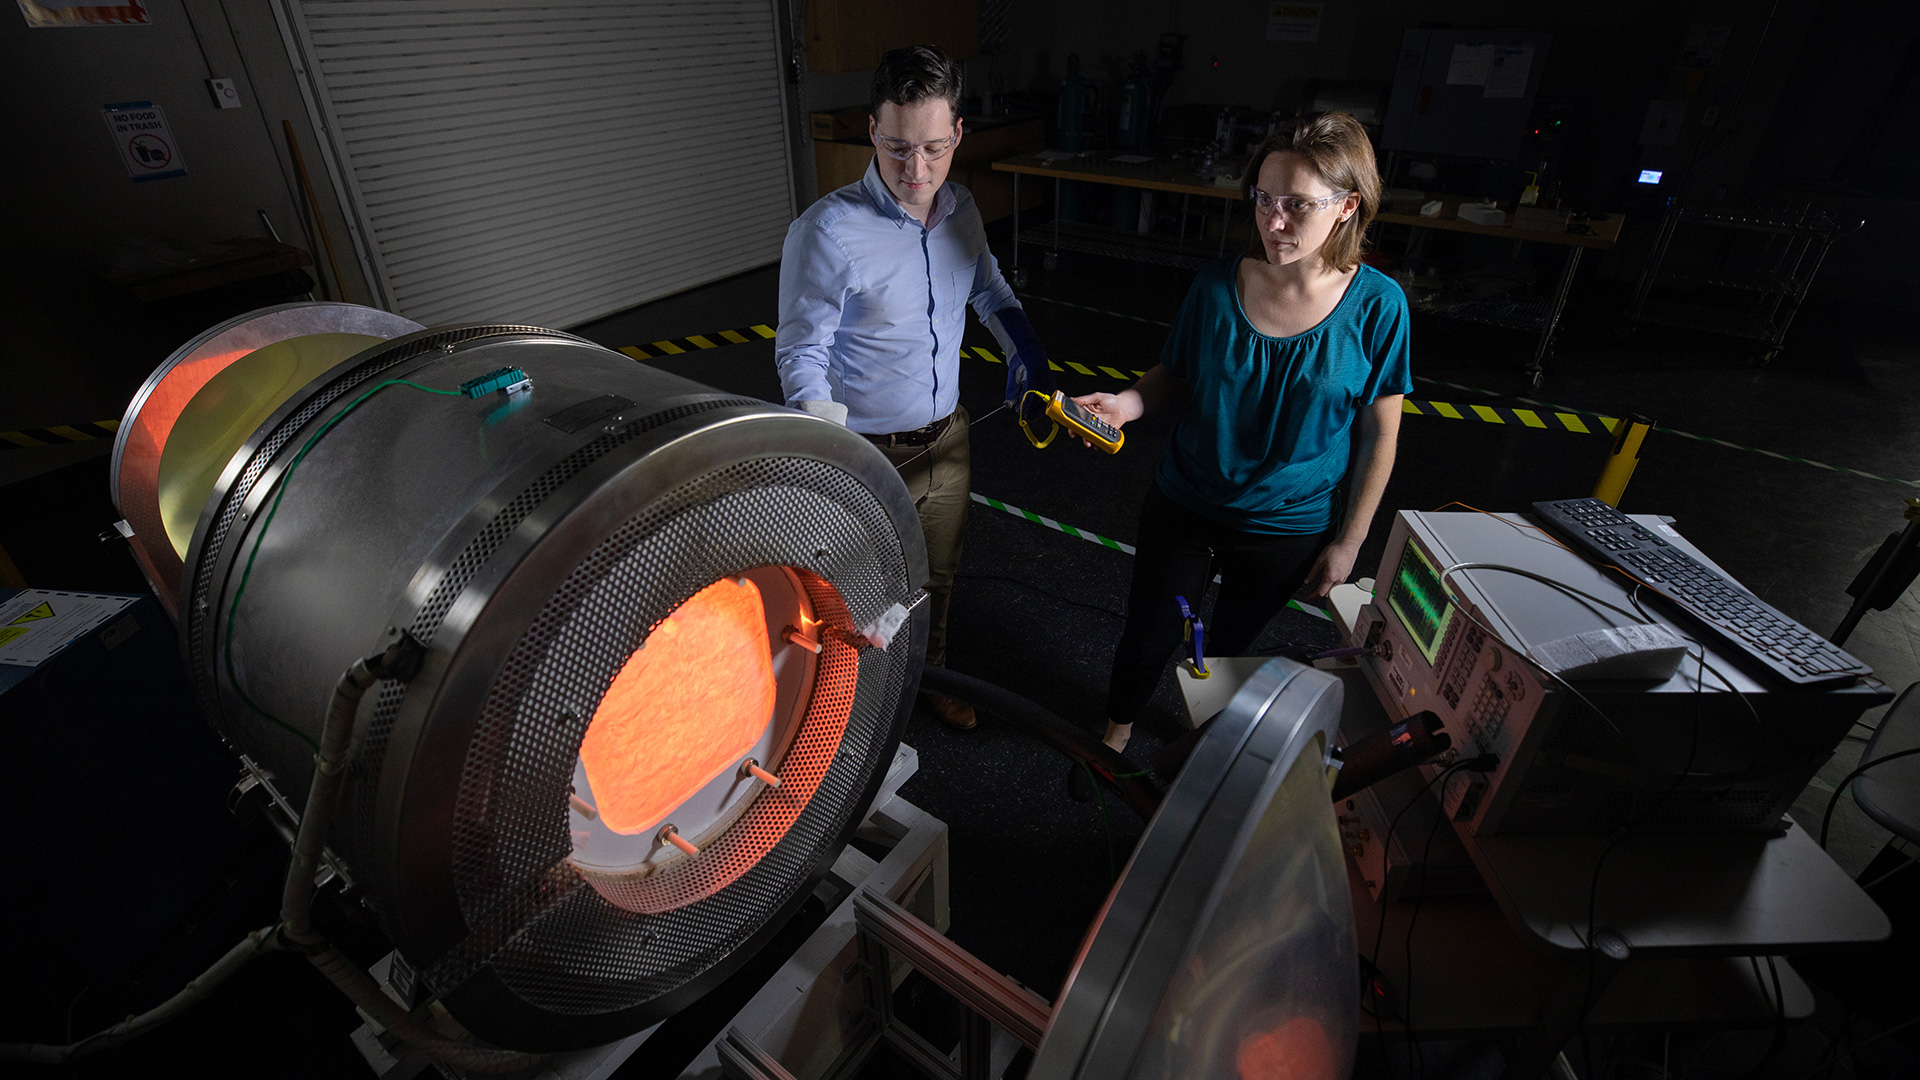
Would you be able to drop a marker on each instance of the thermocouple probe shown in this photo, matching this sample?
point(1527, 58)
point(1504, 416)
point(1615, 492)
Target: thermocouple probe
point(1413, 741)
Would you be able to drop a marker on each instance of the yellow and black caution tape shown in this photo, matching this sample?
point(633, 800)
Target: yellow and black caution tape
point(58, 434)
point(1693, 436)
point(1112, 373)
point(698, 342)
point(760, 331)
point(1544, 419)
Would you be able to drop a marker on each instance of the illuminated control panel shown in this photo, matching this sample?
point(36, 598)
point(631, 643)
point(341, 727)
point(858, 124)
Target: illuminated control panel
point(1457, 640)
point(1428, 652)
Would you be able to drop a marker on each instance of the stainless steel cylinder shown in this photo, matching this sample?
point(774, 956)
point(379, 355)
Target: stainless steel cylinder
point(546, 545)
point(142, 438)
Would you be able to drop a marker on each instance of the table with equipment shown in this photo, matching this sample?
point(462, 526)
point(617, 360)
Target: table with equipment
point(1602, 234)
point(1126, 171)
point(1531, 920)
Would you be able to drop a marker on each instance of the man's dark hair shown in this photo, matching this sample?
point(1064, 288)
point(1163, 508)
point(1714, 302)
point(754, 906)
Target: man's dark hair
point(913, 75)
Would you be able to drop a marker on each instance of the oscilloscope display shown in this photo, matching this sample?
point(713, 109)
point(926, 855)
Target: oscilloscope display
point(1419, 599)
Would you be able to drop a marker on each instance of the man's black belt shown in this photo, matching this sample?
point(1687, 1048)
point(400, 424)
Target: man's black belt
point(916, 437)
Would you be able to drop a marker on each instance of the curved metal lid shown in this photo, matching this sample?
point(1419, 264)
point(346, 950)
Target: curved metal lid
point(1229, 938)
point(142, 437)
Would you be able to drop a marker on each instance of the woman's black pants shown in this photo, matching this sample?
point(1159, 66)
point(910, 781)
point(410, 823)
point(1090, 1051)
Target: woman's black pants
point(1179, 551)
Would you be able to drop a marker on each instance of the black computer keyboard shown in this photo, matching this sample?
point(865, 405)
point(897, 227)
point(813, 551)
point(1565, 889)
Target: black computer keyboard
point(1736, 616)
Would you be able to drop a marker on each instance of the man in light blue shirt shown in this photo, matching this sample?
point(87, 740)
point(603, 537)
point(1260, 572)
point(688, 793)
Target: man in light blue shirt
point(875, 280)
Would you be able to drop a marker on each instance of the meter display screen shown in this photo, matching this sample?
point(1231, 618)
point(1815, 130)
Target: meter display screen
point(1419, 599)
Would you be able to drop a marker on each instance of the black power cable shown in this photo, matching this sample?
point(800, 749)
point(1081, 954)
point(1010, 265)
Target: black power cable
point(1380, 930)
point(1593, 884)
point(1482, 763)
point(1779, 1020)
point(1419, 897)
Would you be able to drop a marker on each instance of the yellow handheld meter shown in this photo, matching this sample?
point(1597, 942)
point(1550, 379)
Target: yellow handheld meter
point(1084, 424)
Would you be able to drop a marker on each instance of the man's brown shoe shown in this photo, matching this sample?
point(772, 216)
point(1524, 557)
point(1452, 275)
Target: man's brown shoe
point(953, 712)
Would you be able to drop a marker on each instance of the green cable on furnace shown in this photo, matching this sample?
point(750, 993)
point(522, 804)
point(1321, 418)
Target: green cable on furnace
point(233, 611)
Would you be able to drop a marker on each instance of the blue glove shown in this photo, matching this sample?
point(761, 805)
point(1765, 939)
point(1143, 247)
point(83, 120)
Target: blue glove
point(1027, 367)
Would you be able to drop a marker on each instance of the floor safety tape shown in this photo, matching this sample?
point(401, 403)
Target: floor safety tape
point(1112, 373)
point(1095, 538)
point(58, 434)
point(698, 342)
point(1567, 420)
point(1684, 435)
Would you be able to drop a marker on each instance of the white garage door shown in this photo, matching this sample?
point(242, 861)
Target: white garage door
point(550, 161)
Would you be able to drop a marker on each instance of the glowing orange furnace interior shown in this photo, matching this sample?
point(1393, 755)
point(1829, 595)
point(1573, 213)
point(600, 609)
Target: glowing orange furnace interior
point(686, 706)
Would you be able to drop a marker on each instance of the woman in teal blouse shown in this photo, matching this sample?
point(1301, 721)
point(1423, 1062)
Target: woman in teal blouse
point(1292, 359)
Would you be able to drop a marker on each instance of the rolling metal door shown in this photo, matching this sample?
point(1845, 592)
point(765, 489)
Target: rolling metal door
point(549, 161)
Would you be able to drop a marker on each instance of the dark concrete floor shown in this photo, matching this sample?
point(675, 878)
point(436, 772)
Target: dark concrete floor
point(1038, 611)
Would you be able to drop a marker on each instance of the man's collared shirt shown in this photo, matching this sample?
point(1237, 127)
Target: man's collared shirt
point(873, 304)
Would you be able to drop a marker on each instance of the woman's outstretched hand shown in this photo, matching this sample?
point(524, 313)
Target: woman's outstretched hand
point(1331, 567)
point(1115, 409)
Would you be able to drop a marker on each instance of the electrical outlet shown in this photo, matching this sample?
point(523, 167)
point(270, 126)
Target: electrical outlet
point(225, 95)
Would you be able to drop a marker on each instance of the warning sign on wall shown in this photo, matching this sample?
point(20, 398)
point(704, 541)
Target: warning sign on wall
point(147, 145)
point(68, 13)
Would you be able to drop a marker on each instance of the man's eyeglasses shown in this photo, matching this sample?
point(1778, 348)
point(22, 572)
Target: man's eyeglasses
point(1295, 205)
point(901, 149)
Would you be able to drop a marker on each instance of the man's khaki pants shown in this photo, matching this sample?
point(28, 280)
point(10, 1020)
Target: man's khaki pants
point(939, 477)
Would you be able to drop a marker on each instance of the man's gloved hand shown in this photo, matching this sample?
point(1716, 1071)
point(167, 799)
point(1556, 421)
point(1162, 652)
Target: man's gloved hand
point(826, 410)
point(1028, 370)
point(1027, 367)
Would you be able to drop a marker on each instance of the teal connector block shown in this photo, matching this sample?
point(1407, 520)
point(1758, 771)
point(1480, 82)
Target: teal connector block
point(510, 379)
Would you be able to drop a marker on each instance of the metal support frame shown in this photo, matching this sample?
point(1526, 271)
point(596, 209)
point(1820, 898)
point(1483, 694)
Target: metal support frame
point(788, 1020)
point(1655, 257)
point(1536, 369)
point(1548, 322)
point(742, 1059)
point(282, 818)
point(990, 999)
point(1800, 240)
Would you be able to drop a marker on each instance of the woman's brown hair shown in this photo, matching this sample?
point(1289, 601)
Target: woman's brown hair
point(1336, 146)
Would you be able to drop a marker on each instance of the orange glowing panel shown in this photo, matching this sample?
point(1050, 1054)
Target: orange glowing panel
point(686, 706)
point(1296, 1050)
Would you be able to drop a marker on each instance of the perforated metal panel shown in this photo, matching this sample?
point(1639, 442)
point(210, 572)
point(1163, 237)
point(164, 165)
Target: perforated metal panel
point(198, 611)
point(554, 161)
point(510, 842)
point(369, 763)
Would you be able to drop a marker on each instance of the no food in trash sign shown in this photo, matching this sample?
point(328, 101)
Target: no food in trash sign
point(147, 145)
